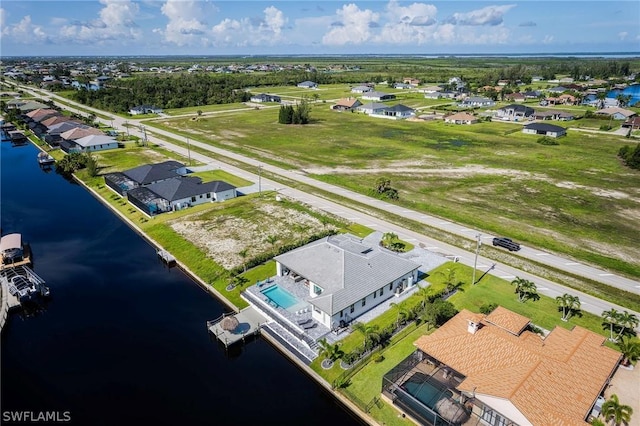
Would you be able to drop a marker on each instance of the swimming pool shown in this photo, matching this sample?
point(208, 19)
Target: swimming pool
point(281, 297)
point(426, 393)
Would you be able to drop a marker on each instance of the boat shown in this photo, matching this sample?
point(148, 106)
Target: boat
point(23, 284)
point(44, 158)
point(13, 252)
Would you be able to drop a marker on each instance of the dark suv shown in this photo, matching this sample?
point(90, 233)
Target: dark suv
point(506, 243)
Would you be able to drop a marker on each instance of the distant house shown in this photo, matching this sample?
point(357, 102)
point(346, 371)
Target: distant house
point(514, 112)
point(79, 132)
point(515, 97)
point(52, 137)
point(346, 104)
point(145, 109)
point(633, 123)
point(557, 89)
point(503, 82)
point(532, 94)
point(443, 94)
point(178, 193)
point(537, 78)
point(410, 80)
point(461, 118)
point(361, 89)
point(616, 113)
point(378, 96)
point(144, 175)
point(476, 101)
point(308, 85)
point(91, 143)
point(371, 108)
point(492, 370)
point(403, 86)
point(430, 89)
point(396, 112)
point(264, 97)
point(544, 130)
point(346, 277)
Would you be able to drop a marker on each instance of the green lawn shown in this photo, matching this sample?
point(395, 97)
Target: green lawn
point(211, 175)
point(206, 108)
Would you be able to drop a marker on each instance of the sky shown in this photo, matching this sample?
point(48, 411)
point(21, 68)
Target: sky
point(231, 27)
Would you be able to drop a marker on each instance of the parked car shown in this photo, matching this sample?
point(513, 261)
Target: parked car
point(506, 243)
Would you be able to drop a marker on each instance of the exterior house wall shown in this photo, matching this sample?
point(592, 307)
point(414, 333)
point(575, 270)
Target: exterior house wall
point(188, 202)
point(101, 147)
point(225, 195)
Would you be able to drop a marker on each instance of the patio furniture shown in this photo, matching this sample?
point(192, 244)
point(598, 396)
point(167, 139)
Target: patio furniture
point(310, 326)
point(304, 321)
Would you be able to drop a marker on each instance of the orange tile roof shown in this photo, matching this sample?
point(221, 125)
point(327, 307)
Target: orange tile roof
point(551, 381)
point(508, 320)
point(347, 102)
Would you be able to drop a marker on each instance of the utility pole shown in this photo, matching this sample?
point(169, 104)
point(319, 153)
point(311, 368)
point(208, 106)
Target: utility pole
point(475, 262)
point(126, 124)
point(144, 136)
point(260, 180)
point(189, 150)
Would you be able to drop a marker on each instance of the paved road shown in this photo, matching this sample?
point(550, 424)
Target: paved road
point(546, 287)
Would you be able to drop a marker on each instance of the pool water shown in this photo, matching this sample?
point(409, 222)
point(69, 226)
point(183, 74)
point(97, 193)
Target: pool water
point(426, 393)
point(281, 297)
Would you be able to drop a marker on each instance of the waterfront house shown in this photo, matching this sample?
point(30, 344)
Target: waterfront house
point(53, 135)
point(461, 118)
point(345, 276)
point(178, 193)
point(145, 109)
point(308, 85)
point(28, 106)
point(514, 112)
point(378, 96)
point(67, 138)
point(144, 175)
point(491, 369)
point(265, 97)
point(544, 129)
point(616, 113)
point(346, 104)
point(90, 143)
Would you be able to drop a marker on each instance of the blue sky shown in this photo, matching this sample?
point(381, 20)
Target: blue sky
point(199, 27)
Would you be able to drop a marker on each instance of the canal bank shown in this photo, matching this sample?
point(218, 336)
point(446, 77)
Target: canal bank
point(123, 339)
point(344, 401)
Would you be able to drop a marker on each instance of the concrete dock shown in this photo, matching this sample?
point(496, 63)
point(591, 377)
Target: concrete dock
point(249, 321)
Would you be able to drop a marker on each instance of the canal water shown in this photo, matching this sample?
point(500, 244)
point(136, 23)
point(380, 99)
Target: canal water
point(122, 341)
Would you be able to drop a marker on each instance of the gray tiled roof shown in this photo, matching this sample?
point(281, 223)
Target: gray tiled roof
point(543, 127)
point(185, 187)
point(345, 268)
point(153, 172)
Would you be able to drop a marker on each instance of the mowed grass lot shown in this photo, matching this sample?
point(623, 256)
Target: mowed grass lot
point(575, 198)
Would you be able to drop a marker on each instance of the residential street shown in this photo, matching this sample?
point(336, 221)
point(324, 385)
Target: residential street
point(546, 287)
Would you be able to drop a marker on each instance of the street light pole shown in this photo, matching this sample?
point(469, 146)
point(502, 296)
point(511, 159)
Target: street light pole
point(475, 262)
point(126, 124)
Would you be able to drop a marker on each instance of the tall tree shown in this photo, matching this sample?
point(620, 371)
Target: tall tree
point(403, 313)
point(369, 332)
point(630, 348)
point(331, 352)
point(568, 304)
point(525, 289)
point(626, 321)
point(615, 413)
point(610, 319)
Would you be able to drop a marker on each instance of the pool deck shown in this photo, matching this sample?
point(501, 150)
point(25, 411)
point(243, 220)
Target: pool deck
point(250, 320)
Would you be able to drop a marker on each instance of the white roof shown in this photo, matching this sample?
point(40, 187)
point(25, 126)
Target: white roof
point(10, 241)
point(93, 140)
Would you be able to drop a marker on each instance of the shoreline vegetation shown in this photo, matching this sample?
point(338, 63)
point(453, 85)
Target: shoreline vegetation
point(575, 198)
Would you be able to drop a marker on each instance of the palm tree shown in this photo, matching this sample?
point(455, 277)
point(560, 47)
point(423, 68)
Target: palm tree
point(630, 349)
point(388, 238)
point(332, 353)
point(450, 280)
point(429, 315)
point(526, 289)
point(370, 332)
point(568, 304)
point(424, 293)
point(597, 422)
point(615, 413)
point(610, 318)
point(402, 312)
point(272, 239)
point(243, 254)
point(626, 321)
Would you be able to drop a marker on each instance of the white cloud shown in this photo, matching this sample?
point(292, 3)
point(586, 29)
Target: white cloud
point(185, 26)
point(264, 31)
point(623, 35)
point(408, 24)
point(57, 22)
point(24, 31)
point(2, 14)
point(548, 39)
point(356, 26)
point(490, 15)
point(415, 14)
point(114, 22)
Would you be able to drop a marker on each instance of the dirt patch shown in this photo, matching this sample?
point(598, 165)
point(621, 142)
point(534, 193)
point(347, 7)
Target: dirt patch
point(223, 236)
point(468, 170)
point(232, 134)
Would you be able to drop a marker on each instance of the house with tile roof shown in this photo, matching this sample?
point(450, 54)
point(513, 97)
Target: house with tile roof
point(514, 112)
point(616, 113)
point(371, 108)
point(144, 175)
point(346, 276)
point(476, 101)
point(90, 143)
point(361, 89)
point(490, 369)
point(265, 97)
point(378, 96)
point(308, 85)
point(346, 104)
point(179, 193)
point(461, 118)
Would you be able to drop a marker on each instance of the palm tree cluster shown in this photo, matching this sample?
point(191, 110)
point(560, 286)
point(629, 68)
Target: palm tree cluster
point(615, 413)
point(331, 353)
point(525, 289)
point(619, 323)
point(569, 305)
